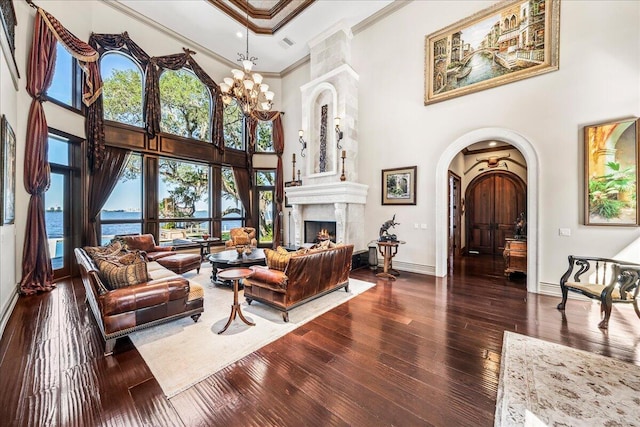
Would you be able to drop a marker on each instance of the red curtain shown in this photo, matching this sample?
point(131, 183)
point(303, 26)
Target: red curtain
point(37, 272)
point(278, 145)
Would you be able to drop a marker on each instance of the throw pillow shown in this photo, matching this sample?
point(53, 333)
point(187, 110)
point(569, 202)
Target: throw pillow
point(131, 257)
point(241, 240)
point(101, 251)
point(281, 250)
point(276, 260)
point(118, 276)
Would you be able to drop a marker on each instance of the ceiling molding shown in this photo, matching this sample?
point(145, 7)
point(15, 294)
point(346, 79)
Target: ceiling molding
point(379, 15)
point(299, 63)
point(154, 24)
point(238, 11)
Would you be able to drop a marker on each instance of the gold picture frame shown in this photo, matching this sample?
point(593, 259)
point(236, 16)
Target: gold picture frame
point(399, 186)
point(509, 41)
point(7, 173)
point(611, 173)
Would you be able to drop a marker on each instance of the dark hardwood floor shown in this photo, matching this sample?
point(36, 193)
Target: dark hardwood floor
point(414, 352)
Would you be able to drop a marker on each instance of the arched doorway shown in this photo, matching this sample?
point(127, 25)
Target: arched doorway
point(529, 153)
point(494, 201)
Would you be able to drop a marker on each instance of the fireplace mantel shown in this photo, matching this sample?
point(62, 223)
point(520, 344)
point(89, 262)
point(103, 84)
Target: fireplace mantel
point(342, 202)
point(327, 193)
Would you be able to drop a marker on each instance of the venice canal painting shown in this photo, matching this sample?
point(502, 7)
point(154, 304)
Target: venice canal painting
point(507, 42)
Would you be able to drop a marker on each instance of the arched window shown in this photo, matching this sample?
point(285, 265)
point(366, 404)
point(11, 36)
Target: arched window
point(233, 120)
point(185, 105)
point(264, 137)
point(122, 89)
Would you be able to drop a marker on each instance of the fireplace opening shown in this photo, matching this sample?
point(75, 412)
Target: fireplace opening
point(315, 231)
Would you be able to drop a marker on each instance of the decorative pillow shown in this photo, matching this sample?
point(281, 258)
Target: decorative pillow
point(276, 260)
point(102, 251)
point(122, 242)
point(281, 250)
point(118, 276)
point(241, 240)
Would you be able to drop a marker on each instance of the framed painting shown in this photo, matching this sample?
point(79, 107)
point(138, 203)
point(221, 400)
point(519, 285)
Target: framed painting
point(399, 186)
point(509, 41)
point(7, 173)
point(611, 173)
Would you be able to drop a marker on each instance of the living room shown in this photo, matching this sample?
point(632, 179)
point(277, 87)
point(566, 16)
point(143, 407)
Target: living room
point(543, 117)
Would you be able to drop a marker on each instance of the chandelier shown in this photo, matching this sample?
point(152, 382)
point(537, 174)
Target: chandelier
point(247, 87)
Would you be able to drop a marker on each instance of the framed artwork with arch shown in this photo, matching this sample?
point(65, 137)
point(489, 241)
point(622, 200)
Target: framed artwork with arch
point(611, 173)
point(509, 41)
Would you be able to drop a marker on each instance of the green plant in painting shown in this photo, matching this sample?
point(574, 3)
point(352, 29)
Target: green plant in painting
point(605, 191)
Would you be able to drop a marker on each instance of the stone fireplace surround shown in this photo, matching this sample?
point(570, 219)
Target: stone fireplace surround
point(342, 202)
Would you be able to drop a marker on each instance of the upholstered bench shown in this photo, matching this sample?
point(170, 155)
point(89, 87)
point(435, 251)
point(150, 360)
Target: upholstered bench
point(181, 263)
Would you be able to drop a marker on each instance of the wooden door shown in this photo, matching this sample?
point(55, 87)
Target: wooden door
point(494, 200)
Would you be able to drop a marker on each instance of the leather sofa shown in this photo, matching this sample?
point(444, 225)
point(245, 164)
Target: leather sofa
point(119, 312)
point(147, 244)
point(305, 277)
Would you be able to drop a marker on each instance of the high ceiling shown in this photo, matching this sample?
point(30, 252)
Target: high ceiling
point(280, 30)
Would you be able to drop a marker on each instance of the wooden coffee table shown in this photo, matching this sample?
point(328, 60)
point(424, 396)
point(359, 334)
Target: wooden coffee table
point(230, 259)
point(235, 275)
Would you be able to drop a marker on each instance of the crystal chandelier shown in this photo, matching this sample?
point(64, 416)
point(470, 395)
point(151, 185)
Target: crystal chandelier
point(247, 87)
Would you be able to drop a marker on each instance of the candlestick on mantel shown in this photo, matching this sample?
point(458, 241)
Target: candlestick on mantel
point(344, 154)
point(293, 169)
point(343, 176)
point(299, 177)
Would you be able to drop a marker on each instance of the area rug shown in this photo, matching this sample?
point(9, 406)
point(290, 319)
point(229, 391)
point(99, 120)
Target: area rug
point(182, 353)
point(547, 384)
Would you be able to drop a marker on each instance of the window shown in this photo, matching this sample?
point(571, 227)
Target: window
point(183, 199)
point(232, 209)
point(62, 206)
point(265, 192)
point(65, 85)
point(185, 105)
point(122, 213)
point(264, 137)
point(233, 123)
point(122, 89)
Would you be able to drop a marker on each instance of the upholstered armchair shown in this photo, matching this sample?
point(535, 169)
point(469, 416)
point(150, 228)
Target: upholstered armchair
point(146, 243)
point(242, 236)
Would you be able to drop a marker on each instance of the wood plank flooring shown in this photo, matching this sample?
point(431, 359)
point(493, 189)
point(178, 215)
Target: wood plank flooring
point(419, 351)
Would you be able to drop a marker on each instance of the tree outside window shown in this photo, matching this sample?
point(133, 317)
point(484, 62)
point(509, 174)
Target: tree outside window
point(122, 89)
point(183, 198)
point(265, 192)
point(232, 211)
point(264, 137)
point(233, 123)
point(185, 105)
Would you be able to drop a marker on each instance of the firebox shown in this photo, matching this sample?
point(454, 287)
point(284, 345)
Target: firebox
point(314, 231)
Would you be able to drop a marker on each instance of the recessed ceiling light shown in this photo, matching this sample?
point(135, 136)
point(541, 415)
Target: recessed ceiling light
point(239, 34)
point(493, 144)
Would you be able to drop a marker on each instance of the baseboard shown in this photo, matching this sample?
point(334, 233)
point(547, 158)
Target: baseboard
point(553, 289)
point(7, 312)
point(415, 268)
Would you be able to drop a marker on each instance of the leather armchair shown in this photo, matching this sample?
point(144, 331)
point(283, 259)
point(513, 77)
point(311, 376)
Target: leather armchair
point(146, 243)
point(242, 236)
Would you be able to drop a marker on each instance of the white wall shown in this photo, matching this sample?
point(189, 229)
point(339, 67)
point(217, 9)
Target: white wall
point(597, 81)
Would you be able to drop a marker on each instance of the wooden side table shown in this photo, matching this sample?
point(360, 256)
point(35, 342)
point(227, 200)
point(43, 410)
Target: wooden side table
point(515, 256)
point(235, 274)
point(389, 249)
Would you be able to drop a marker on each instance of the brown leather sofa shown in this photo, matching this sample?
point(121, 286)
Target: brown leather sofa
point(146, 243)
point(121, 311)
point(306, 276)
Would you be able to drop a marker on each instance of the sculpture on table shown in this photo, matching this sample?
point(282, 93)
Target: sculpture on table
point(521, 227)
point(384, 230)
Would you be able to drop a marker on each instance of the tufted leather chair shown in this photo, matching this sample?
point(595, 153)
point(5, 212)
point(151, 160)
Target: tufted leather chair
point(242, 236)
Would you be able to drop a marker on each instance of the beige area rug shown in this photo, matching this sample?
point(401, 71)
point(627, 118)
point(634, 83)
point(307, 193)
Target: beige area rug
point(182, 353)
point(547, 384)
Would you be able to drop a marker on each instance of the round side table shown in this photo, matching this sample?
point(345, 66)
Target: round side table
point(235, 275)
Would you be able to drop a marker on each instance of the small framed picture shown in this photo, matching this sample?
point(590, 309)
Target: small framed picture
point(399, 186)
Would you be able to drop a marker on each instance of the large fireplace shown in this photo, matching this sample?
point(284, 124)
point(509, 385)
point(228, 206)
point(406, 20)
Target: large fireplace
point(314, 231)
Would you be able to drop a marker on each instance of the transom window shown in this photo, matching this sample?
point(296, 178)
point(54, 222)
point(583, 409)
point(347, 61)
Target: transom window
point(122, 89)
point(264, 137)
point(185, 105)
point(233, 120)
